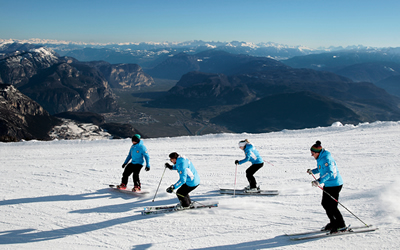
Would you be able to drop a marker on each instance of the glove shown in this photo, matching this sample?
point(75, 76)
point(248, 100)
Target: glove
point(236, 162)
point(147, 168)
point(309, 171)
point(124, 165)
point(167, 165)
point(315, 183)
point(170, 189)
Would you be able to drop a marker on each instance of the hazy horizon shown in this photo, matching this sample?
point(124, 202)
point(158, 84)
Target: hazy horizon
point(309, 23)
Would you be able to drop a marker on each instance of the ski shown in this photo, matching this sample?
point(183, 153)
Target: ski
point(324, 231)
point(172, 208)
point(242, 192)
point(323, 234)
point(127, 191)
point(195, 205)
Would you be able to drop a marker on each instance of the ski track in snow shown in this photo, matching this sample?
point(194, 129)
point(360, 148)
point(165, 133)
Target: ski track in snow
point(55, 194)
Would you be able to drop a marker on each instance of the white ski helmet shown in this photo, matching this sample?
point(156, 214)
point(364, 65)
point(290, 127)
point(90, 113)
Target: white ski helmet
point(243, 143)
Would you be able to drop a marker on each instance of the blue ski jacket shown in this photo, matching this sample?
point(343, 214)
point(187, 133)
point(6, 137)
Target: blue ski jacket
point(252, 155)
point(137, 153)
point(327, 169)
point(187, 173)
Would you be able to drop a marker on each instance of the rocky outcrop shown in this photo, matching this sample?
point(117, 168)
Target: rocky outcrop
point(21, 117)
point(124, 76)
point(57, 84)
point(116, 130)
point(71, 87)
point(71, 130)
point(18, 67)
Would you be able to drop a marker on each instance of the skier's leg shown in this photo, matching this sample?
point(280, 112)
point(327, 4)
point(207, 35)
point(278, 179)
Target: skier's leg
point(335, 211)
point(183, 194)
point(327, 205)
point(127, 172)
point(331, 206)
point(250, 174)
point(135, 176)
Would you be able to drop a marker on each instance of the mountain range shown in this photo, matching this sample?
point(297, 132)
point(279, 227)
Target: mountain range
point(21, 118)
point(359, 65)
point(334, 97)
point(63, 84)
point(149, 54)
point(234, 92)
point(42, 80)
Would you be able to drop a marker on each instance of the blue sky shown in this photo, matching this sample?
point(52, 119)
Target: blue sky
point(311, 23)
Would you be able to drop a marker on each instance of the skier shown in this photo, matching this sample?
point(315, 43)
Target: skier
point(137, 152)
point(188, 179)
point(252, 155)
point(330, 177)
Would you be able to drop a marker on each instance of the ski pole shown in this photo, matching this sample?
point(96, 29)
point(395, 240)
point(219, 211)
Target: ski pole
point(159, 185)
point(270, 163)
point(184, 197)
point(234, 186)
point(339, 202)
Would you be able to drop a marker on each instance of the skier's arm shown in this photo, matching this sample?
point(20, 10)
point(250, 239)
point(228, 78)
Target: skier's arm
point(146, 156)
point(329, 167)
point(246, 159)
point(315, 171)
point(128, 158)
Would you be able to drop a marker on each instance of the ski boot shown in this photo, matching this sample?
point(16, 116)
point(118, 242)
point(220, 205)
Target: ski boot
point(328, 227)
point(192, 204)
point(339, 230)
point(121, 186)
point(251, 190)
point(180, 207)
point(136, 189)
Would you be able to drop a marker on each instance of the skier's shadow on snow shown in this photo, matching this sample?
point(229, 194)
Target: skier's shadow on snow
point(99, 194)
point(277, 241)
point(32, 235)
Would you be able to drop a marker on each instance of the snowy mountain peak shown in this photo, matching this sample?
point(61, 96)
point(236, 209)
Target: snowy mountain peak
point(45, 52)
point(194, 43)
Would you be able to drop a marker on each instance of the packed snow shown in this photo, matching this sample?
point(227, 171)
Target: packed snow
point(55, 194)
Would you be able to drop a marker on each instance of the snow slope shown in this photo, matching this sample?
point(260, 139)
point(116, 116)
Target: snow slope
point(55, 194)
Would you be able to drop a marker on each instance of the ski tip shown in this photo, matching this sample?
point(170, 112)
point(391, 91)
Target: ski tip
point(111, 186)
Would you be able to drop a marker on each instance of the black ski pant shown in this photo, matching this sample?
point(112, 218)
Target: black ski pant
point(183, 194)
point(331, 206)
point(250, 174)
point(133, 169)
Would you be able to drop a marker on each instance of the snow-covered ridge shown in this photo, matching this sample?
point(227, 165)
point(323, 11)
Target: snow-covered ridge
point(71, 130)
point(165, 44)
point(45, 52)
